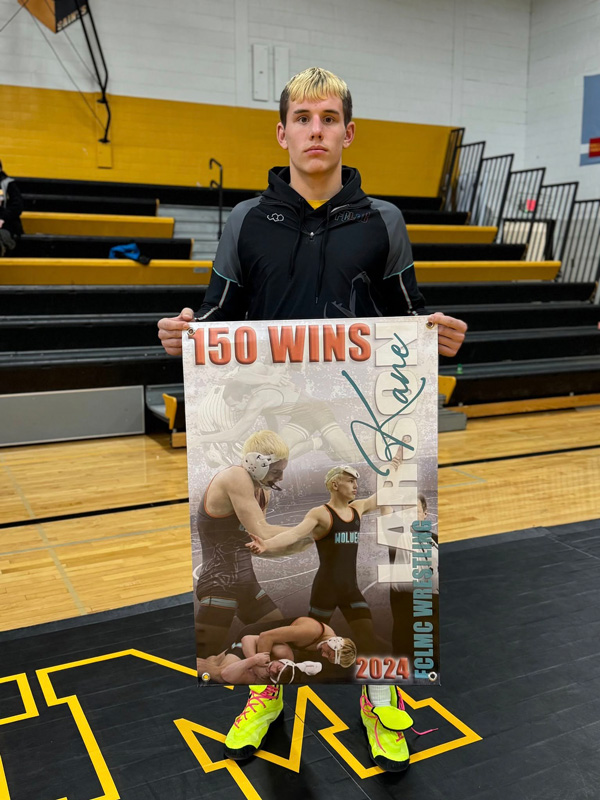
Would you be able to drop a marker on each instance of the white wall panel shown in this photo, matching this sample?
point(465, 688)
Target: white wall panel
point(564, 47)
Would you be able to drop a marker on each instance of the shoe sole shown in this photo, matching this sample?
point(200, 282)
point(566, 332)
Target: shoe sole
point(244, 753)
point(388, 765)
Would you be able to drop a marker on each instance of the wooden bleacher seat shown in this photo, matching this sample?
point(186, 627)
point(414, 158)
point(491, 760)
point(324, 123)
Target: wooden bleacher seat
point(102, 271)
point(62, 224)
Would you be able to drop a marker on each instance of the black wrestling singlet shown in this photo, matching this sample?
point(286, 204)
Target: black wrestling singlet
point(335, 582)
point(227, 571)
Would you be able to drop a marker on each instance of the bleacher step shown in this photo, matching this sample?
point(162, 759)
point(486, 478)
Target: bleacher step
point(40, 246)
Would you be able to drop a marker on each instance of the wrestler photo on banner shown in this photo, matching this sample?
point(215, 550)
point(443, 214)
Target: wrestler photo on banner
point(312, 466)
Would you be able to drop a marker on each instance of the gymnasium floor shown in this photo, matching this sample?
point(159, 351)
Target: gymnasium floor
point(106, 706)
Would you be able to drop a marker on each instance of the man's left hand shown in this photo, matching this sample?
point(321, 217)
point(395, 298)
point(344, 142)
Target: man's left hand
point(451, 333)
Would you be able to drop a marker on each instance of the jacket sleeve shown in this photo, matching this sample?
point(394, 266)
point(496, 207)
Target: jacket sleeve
point(225, 297)
point(399, 282)
point(224, 300)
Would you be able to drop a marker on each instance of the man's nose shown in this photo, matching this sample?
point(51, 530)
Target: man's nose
point(316, 127)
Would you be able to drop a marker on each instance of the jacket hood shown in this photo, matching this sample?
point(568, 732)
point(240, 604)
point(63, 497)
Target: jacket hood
point(279, 188)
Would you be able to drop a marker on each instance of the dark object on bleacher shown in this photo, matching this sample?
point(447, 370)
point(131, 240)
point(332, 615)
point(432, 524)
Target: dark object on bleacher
point(11, 208)
point(131, 251)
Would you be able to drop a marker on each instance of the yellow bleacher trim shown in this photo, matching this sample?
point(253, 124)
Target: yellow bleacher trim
point(451, 234)
point(170, 408)
point(458, 271)
point(102, 272)
point(446, 385)
point(63, 224)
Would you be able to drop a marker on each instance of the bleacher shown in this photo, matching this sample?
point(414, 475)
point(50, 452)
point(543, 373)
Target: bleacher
point(73, 319)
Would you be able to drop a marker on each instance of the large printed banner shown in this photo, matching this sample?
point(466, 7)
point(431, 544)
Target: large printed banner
point(312, 460)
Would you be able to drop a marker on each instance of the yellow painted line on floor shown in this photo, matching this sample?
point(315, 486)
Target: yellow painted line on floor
point(188, 729)
point(29, 707)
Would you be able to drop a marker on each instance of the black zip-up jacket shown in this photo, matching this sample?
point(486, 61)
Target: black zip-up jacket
point(279, 258)
point(11, 205)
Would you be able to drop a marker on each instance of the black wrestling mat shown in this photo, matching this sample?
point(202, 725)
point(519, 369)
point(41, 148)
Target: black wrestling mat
point(108, 706)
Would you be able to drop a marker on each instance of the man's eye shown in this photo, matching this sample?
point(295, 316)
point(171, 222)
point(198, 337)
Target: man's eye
point(302, 119)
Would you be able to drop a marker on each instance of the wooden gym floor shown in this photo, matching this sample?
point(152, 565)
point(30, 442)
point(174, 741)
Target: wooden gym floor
point(96, 525)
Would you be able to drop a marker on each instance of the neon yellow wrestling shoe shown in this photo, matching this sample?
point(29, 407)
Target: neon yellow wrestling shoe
point(384, 726)
point(265, 704)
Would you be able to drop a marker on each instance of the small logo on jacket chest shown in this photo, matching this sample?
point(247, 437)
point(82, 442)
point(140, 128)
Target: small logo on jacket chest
point(275, 217)
point(350, 216)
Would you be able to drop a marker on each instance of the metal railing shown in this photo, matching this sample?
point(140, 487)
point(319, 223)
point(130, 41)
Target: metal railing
point(490, 192)
point(552, 221)
point(463, 188)
point(548, 219)
point(450, 164)
point(518, 211)
point(219, 186)
point(581, 255)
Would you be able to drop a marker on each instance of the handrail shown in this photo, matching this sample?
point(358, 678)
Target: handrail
point(218, 185)
point(101, 83)
point(454, 142)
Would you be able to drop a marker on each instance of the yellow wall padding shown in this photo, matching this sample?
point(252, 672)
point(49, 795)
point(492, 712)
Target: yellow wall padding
point(48, 133)
point(64, 224)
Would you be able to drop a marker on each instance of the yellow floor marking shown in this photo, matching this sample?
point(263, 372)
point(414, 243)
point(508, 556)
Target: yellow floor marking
point(188, 729)
point(29, 706)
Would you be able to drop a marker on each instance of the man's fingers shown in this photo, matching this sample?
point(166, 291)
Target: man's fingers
point(451, 333)
point(449, 322)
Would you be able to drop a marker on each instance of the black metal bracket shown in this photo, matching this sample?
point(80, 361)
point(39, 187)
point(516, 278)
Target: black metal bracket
point(102, 82)
point(218, 185)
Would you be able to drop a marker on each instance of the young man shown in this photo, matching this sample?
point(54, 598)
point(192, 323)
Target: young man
point(335, 528)
point(314, 245)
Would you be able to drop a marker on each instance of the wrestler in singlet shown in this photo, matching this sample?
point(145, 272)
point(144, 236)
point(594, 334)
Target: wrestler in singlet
point(322, 632)
point(335, 584)
point(227, 585)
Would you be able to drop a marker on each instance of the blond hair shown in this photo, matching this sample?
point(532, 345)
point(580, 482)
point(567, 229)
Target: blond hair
point(334, 473)
point(348, 653)
point(313, 84)
point(267, 443)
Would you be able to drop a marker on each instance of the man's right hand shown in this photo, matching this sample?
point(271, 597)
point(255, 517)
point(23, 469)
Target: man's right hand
point(170, 331)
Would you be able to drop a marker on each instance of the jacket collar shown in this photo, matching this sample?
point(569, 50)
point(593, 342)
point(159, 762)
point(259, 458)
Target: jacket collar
point(279, 188)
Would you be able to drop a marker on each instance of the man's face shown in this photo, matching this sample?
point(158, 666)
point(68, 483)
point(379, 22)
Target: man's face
point(275, 473)
point(347, 486)
point(328, 653)
point(315, 135)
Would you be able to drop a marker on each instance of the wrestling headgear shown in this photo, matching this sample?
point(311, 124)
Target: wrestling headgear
point(336, 643)
point(258, 465)
point(307, 667)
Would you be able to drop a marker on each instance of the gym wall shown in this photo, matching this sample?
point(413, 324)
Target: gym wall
point(182, 85)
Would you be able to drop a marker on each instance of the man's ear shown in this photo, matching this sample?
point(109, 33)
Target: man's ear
point(349, 135)
point(281, 136)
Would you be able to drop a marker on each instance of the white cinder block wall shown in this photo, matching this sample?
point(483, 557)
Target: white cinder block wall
point(564, 46)
point(510, 71)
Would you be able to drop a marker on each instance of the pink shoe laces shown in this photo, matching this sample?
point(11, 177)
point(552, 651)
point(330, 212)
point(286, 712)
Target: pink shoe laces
point(367, 707)
point(401, 707)
point(256, 700)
